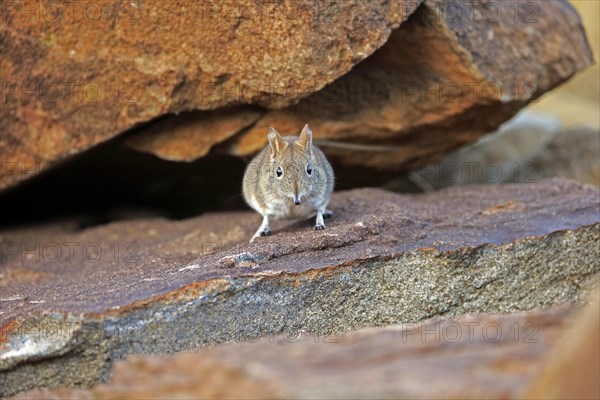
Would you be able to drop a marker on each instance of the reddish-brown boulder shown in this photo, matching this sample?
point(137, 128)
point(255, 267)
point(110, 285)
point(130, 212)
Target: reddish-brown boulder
point(76, 74)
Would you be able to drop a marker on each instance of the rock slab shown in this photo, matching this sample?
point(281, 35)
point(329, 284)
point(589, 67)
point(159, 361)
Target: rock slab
point(451, 73)
point(527, 149)
point(154, 286)
point(476, 356)
point(77, 74)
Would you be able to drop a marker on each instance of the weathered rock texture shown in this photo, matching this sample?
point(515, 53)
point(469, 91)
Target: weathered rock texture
point(191, 135)
point(153, 286)
point(448, 75)
point(527, 149)
point(479, 356)
point(440, 81)
point(573, 154)
point(76, 74)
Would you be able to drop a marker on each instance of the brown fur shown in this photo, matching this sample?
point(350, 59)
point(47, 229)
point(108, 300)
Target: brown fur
point(274, 197)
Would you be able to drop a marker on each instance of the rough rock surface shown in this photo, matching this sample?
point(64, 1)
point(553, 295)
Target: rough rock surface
point(573, 154)
point(527, 149)
point(477, 356)
point(75, 74)
point(153, 286)
point(448, 75)
point(186, 135)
